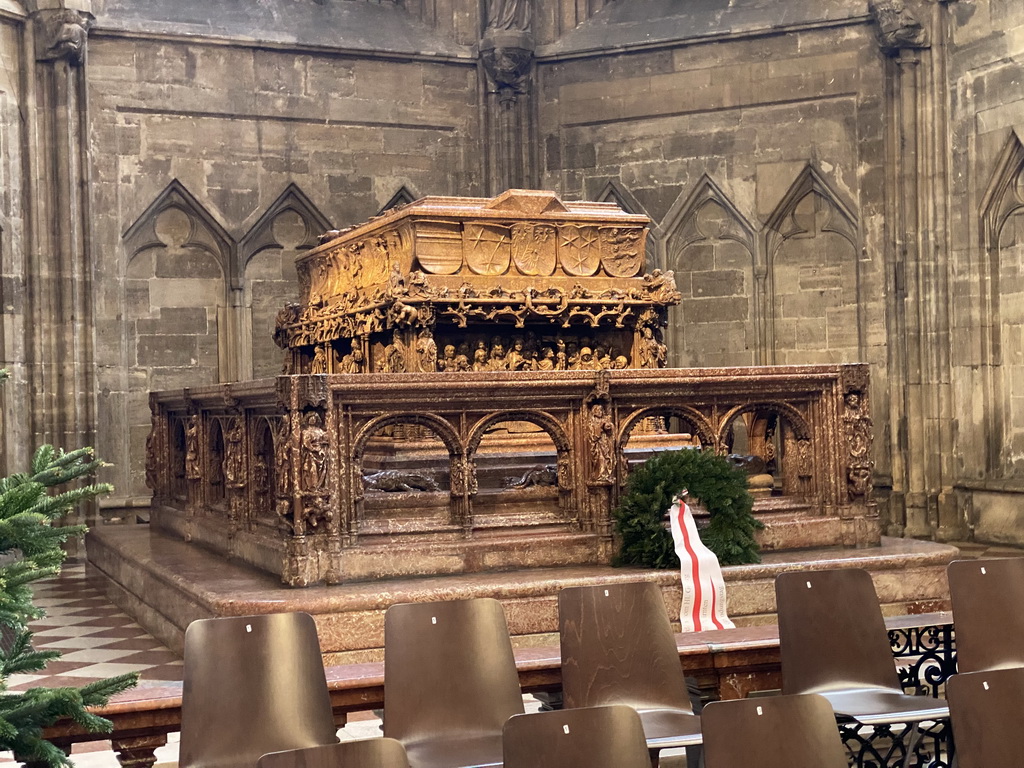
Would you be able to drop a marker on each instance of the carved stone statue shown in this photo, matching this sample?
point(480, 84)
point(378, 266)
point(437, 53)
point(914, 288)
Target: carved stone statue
point(319, 364)
point(509, 15)
point(234, 455)
point(897, 26)
point(314, 454)
point(62, 34)
point(600, 437)
point(354, 361)
point(426, 352)
point(193, 466)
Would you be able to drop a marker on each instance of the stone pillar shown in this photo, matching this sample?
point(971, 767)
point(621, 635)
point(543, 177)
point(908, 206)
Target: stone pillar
point(59, 275)
point(506, 56)
point(923, 502)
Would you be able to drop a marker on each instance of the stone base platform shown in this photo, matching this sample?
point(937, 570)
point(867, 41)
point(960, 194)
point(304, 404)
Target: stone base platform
point(165, 584)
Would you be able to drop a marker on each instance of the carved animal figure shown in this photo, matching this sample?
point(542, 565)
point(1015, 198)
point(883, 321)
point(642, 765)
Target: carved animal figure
point(397, 481)
point(540, 476)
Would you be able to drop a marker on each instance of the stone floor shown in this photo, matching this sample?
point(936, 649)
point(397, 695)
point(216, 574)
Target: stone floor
point(98, 640)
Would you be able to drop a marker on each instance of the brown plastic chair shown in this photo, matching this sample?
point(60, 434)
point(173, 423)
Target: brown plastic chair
point(618, 648)
point(253, 684)
point(833, 642)
point(987, 713)
point(367, 753)
point(595, 737)
point(772, 732)
point(988, 613)
point(450, 681)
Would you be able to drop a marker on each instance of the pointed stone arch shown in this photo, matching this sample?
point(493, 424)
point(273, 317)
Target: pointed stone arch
point(266, 254)
point(711, 247)
point(685, 227)
point(199, 229)
point(403, 196)
point(785, 222)
point(262, 235)
point(1001, 314)
point(1004, 195)
point(812, 308)
point(615, 192)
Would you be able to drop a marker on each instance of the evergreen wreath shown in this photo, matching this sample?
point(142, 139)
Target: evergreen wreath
point(722, 490)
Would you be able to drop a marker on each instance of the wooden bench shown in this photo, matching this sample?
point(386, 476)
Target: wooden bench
point(728, 664)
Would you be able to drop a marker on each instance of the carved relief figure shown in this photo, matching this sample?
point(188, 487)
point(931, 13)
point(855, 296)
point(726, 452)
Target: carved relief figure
point(652, 352)
point(314, 453)
point(354, 361)
point(193, 468)
point(234, 459)
point(319, 364)
point(600, 431)
point(394, 355)
point(426, 352)
point(858, 426)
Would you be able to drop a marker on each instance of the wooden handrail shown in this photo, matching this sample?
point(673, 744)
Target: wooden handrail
point(727, 663)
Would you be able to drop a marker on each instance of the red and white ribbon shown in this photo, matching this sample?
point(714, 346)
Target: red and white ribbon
point(703, 586)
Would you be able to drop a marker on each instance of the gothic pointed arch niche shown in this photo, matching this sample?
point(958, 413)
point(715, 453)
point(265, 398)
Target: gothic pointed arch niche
point(1002, 311)
point(710, 246)
point(615, 192)
point(812, 244)
point(267, 252)
point(403, 196)
point(176, 264)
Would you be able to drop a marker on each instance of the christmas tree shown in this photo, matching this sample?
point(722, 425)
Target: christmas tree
point(31, 539)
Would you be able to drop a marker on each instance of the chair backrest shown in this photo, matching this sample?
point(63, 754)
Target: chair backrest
point(772, 732)
point(831, 632)
point(594, 737)
point(985, 710)
point(618, 648)
point(253, 684)
point(448, 670)
point(988, 613)
point(367, 753)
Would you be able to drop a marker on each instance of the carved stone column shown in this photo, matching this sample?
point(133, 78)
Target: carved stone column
point(59, 275)
point(506, 57)
point(923, 502)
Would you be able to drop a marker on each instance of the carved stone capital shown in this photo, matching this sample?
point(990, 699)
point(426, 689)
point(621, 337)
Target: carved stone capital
point(897, 26)
point(62, 34)
point(508, 57)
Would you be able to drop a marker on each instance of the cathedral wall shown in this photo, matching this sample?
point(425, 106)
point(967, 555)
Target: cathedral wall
point(761, 160)
point(14, 448)
point(986, 73)
point(214, 164)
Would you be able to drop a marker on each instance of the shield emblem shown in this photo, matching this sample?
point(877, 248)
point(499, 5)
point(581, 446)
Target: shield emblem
point(579, 250)
point(439, 246)
point(487, 248)
point(533, 248)
point(622, 250)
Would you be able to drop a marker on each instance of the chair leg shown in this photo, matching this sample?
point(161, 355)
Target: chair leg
point(915, 736)
point(655, 757)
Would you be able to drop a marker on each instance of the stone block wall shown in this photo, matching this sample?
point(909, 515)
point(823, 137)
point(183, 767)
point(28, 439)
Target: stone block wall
point(986, 73)
point(760, 157)
point(14, 426)
point(213, 167)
